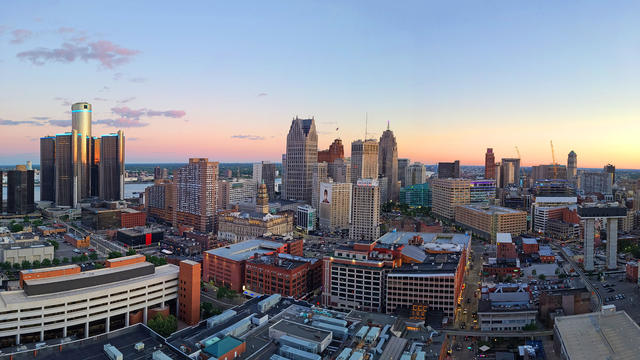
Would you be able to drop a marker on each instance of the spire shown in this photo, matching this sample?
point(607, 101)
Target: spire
point(387, 124)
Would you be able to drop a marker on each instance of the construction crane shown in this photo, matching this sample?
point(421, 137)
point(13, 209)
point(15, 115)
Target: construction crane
point(555, 165)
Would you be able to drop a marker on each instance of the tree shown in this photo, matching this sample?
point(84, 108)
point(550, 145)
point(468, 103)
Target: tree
point(75, 259)
point(114, 254)
point(54, 244)
point(93, 256)
point(208, 310)
point(99, 265)
point(542, 277)
point(15, 227)
point(534, 272)
point(529, 327)
point(65, 260)
point(46, 263)
point(163, 325)
point(16, 266)
point(131, 252)
point(37, 223)
point(56, 262)
point(84, 258)
point(35, 264)
point(6, 266)
point(25, 264)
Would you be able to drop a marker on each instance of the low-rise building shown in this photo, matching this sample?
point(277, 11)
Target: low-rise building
point(99, 218)
point(131, 218)
point(140, 236)
point(77, 241)
point(50, 230)
point(239, 226)
point(16, 253)
point(506, 311)
point(572, 301)
point(282, 274)
point(486, 221)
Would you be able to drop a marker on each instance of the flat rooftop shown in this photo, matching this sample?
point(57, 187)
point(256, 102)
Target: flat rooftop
point(601, 335)
point(277, 261)
point(491, 209)
point(246, 249)
point(301, 331)
point(47, 269)
point(402, 238)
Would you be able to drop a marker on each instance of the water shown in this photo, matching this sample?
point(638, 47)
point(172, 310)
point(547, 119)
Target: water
point(129, 190)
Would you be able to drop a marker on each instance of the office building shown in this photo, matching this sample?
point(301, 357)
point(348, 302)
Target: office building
point(510, 171)
point(160, 200)
point(335, 206)
point(236, 226)
point(485, 221)
point(196, 194)
point(265, 172)
point(81, 123)
point(320, 175)
point(95, 165)
point(482, 191)
point(112, 166)
point(236, 192)
point(548, 172)
point(611, 170)
point(388, 163)
point(306, 218)
point(506, 311)
point(596, 183)
point(289, 276)
point(157, 173)
point(416, 195)
point(20, 184)
point(545, 208)
point(364, 160)
point(339, 170)
point(365, 211)
point(65, 169)
point(225, 266)
point(300, 159)
point(572, 166)
point(415, 174)
point(489, 164)
point(403, 164)
point(447, 194)
point(335, 152)
point(48, 168)
point(448, 170)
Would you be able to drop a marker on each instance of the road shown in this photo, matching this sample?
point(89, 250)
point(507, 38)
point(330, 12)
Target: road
point(585, 279)
point(522, 334)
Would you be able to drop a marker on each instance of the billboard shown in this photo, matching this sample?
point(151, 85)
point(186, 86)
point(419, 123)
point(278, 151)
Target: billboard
point(325, 193)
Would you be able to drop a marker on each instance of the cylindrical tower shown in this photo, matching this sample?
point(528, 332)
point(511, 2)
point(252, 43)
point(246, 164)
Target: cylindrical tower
point(81, 122)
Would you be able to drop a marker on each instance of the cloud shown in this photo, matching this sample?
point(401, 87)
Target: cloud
point(248, 137)
point(126, 100)
point(41, 118)
point(100, 99)
point(60, 123)
point(4, 122)
point(122, 122)
point(127, 112)
point(104, 88)
point(64, 30)
point(169, 113)
point(20, 36)
point(262, 94)
point(65, 101)
point(105, 52)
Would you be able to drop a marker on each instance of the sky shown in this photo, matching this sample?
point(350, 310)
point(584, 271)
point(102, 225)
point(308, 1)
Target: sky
point(223, 79)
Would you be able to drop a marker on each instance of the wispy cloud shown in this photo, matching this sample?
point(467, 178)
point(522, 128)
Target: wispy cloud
point(127, 112)
point(65, 101)
point(169, 113)
point(41, 118)
point(248, 137)
point(262, 94)
point(100, 99)
point(5, 122)
point(126, 100)
point(138, 80)
point(108, 54)
point(60, 123)
point(20, 36)
point(122, 122)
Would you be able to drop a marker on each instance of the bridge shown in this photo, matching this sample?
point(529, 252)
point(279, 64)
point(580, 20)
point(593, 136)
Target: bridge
point(532, 334)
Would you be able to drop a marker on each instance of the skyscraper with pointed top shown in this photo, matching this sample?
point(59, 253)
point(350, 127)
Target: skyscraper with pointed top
point(388, 162)
point(572, 166)
point(301, 157)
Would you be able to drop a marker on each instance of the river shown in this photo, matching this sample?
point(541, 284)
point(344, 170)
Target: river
point(129, 190)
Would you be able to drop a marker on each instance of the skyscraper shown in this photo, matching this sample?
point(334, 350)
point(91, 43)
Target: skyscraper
point(516, 170)
point(448, 170)
point(402, 169)
point(335, 151)
point(335, 206)
point(66, 183)
point(112, 166)
point(301, 157)
point(1, 187)
point(20, 191)
point(265, 172)
point(388, 163)
point(196, 194)
point(47, 168)
point(364, 160)
point(489, 164)
point(572, 166)
point(320, 175)
point(95, 166)
point(611, 170)
point(365, 211)
point(340, 170)
point(81, 122)
point(415, 174)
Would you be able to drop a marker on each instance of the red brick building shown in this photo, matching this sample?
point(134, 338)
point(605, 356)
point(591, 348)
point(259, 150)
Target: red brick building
point(189, 292)
point(77, 241)
point(632, 271)
point(131, 218)
point(282, 274)
point(335, 151)
point(529, 246)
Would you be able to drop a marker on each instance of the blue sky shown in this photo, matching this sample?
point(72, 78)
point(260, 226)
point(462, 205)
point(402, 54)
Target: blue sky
point(452, 77)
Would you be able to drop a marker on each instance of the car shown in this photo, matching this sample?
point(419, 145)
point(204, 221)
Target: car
point(92, 250)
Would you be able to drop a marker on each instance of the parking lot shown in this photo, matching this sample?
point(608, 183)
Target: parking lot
point(625, 295)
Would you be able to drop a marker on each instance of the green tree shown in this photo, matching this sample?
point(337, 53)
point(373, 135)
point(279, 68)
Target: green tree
point(534, 272)
point(542, 277)
point(65, 260)
point(99, 265)
point(131, 252)
point(93, 256)
point(37, 223)
point(55, 262)
point(208, 310)
point(75, 259)
point(16, 266)
point(6, 266)
point(15, 227)
point(35, 264)
point(163, 325)
point(55, 244)
point(46, 263)
point(114, 254)
point(84, 258)
point(25, 264)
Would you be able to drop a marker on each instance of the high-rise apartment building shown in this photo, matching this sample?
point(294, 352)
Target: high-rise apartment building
point(489, 164)
point(160, 200)
point(335, 151)
point(66, 183)
point(364, 160)
point(196, 194)
point(335, 206)
point(365, 211)
point(388, 163)
point(20, 191)
point(415, 174)
point(112, 166)
point(81, 122)
point(596, 182)
point(403, 164)
point(320, 175)
point(572, 166)
point(447, 194)
point(301, 157)
point(48, 168)
point(509, 178)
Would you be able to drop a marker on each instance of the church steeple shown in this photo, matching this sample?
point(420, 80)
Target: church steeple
point(262, 199)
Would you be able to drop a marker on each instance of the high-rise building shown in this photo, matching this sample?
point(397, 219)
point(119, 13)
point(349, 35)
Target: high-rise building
point(416, 195)
point(196, 194)
point(160, 200)
point(335, 206)
point(320, 175)
point(415, 174)
point(1, 187)
point(364, 160)
point(515, 179)
point(596, 182)
point(482, 191)
point(189, 291)
point(157, 173)
point(388, 163)
point(572, 166)
point(48, 168)
point(403, 164)
point(335, 151)
point(365, 211)
point(448, 170)
point(81, 122)
point(265, 173)
point(507, 174)
point(339, 170)
point(95, 166)
point(487, 221)
point(447, 194)
point(20, 191)
point(548, 172)
point(489, 164)
point(112, 166)
point(611, 170)
point(66, 183)
point(301, 157)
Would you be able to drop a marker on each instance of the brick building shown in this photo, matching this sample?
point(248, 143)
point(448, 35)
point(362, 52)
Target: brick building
point(189, 292)
point(77, 241)
point(282, 274)
point(131, 218)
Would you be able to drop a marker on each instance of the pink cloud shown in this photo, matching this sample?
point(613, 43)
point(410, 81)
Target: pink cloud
point(127, 112)
point(20, 36)
point(63, 30)
point(105, 52)
point(122, 122)
point(169, 113)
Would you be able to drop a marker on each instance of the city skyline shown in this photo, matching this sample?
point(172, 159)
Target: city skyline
point(449, 88)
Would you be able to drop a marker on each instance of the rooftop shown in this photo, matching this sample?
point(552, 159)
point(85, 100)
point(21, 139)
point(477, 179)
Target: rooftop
point(223, 346)
point(601, 335)
point(246, 249)
point(402, 238)
point(491, 209)
point(503, 238)
point(287, 264)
